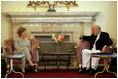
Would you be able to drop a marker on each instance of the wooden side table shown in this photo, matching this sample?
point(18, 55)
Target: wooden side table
point(11, 57)
point(105, 56)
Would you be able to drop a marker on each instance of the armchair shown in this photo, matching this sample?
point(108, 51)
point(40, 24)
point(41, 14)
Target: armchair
point(9, 48)
point(86, 45)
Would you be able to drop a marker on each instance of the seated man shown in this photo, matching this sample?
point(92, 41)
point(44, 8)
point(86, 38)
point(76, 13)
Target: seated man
point(98, 42)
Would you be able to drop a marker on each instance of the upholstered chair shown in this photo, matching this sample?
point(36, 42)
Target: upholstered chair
point(86, 45)
point(9, 47)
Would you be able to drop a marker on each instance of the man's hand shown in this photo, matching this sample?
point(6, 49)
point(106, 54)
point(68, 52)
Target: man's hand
point(103, 49)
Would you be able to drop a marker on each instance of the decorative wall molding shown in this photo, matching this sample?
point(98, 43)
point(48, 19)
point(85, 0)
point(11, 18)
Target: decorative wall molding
point(49, 17)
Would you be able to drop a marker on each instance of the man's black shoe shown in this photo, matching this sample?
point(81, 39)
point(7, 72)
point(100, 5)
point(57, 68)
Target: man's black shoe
point(92, 72)
point(83, 70)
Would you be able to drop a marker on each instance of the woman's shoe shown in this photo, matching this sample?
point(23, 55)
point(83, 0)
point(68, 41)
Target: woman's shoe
point(23, 72)
point(33, 66)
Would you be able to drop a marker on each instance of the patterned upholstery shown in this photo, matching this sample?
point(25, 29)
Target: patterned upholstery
point(34, 46)
point(83, 45)
point(9, 46)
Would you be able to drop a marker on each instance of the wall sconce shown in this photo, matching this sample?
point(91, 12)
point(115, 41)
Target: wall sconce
point(52, 4)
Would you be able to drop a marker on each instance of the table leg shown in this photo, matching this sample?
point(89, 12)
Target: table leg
point(110, 71)
point(11, 69)
point(69, 61)
point(44, 61)
point(105, 68)
point(77, 62)
point(58, 61)
point(99, 72)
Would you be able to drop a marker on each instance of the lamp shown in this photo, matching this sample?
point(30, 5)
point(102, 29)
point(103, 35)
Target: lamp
point(52, 4)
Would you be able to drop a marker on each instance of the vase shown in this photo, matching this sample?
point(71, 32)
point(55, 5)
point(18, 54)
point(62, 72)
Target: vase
point(57, 48)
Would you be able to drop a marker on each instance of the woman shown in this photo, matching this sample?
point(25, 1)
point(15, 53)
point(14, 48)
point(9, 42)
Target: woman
point(22, 46)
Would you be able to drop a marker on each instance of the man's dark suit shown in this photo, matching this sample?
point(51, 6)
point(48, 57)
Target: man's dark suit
point(101, 42)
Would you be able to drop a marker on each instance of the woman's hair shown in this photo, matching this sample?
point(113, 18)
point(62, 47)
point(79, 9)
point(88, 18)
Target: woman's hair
point(20, 30)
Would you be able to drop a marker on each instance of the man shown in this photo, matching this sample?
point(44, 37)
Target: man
point(98, 42)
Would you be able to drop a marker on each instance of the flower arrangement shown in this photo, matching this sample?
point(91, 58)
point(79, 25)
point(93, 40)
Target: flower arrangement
point(58, 38)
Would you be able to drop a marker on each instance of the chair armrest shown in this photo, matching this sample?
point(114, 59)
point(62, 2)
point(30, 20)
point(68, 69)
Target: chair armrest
point(75, 47)
point(38, 47)
point(8, 50)
point(110, 49)
point(5, 48)
point(35, 46)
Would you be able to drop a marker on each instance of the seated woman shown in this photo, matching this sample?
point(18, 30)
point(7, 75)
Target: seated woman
point(22, 46)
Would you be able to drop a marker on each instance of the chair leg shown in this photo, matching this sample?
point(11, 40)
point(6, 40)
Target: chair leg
point(8, 68)
point(80, 67)
point(36, 68)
